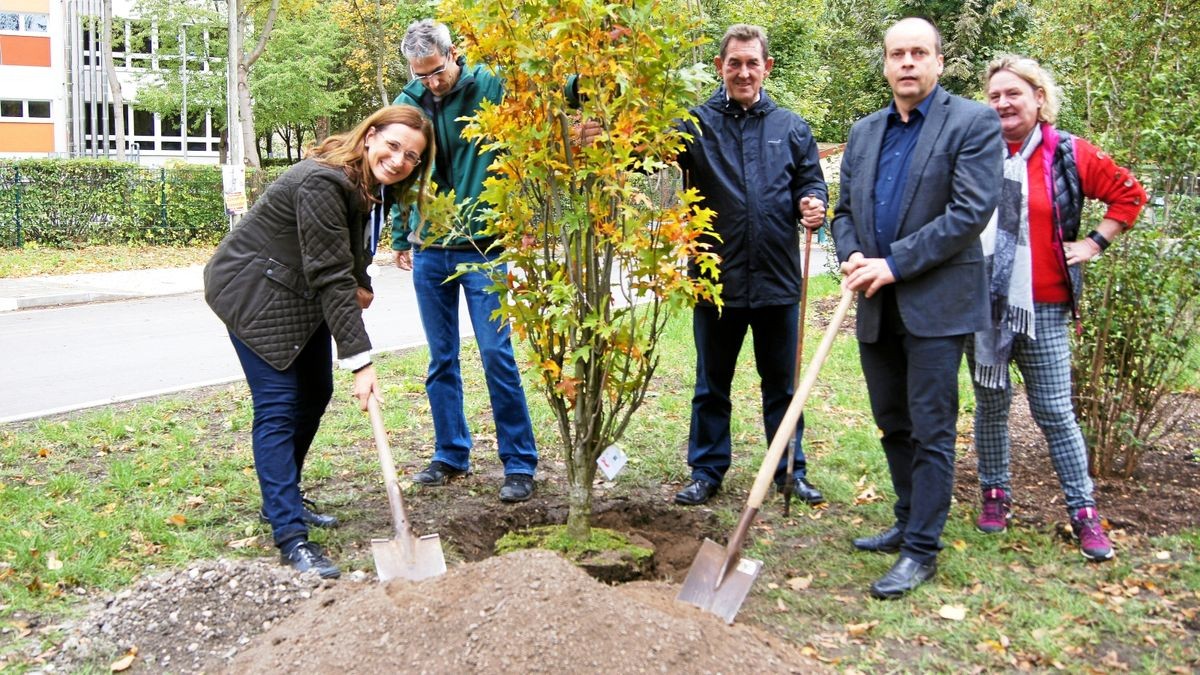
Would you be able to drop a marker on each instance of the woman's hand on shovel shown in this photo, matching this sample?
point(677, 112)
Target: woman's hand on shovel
point(366, 385)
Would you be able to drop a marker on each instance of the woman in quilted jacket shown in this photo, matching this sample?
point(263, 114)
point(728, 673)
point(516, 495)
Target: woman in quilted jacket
point(293, 275)
point(1035, 250)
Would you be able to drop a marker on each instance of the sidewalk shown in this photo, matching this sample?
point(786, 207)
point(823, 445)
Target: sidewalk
point(73, 289)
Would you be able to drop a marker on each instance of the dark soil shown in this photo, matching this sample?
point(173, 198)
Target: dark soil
point(533, 612)
point(1162, 497)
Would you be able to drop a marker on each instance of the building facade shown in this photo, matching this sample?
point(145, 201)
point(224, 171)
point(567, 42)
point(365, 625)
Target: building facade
point(55, 96)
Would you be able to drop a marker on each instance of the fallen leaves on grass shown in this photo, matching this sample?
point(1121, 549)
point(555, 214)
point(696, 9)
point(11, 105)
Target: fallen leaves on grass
point(176, 520)
point(860, 629)
point(243, 543)
point(953, 612)
point(800, 583)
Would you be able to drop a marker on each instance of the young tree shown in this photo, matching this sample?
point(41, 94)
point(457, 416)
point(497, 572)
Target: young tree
point(596, 266)
point(1131, 76)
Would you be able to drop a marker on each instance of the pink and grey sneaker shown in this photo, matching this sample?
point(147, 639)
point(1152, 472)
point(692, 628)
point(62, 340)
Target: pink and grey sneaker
point(1093, 542)
point(997, 511)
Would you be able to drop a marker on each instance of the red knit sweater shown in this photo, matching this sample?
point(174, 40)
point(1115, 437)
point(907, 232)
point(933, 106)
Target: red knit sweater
point(1101, 179)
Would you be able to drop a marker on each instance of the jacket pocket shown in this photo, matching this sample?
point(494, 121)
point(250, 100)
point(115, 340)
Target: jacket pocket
point(288, 278)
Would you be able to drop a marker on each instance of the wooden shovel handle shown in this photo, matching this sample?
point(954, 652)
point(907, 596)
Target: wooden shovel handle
point(766, 472)
point(395, 500)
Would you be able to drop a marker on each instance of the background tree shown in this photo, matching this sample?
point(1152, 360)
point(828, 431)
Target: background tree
point(114, 84)
point(595, 265)
point(1131, 75)
point(295, 83)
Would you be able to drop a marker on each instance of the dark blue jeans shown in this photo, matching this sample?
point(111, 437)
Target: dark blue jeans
point(288, 405)
point(913, 386)
point(437, 301)
point(718, 340)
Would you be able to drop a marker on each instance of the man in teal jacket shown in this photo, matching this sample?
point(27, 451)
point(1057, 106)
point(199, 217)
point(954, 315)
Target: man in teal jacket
point(447, 89)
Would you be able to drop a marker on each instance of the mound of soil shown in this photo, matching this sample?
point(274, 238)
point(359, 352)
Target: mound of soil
point(527, 612)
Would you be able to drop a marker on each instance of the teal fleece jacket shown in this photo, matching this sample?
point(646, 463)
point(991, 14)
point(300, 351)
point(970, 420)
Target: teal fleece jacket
point(459, 164)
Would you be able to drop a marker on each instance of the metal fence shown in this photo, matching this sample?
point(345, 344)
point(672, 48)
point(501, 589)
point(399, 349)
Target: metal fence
point(79, 204)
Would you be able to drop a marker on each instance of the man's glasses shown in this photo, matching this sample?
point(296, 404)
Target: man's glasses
point(428, 75)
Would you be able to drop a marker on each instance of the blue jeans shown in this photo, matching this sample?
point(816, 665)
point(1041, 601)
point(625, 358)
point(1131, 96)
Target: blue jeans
point(1045, 364)
point(913, 386)
point(718, 340)
point(437, 300)
point(288, 405)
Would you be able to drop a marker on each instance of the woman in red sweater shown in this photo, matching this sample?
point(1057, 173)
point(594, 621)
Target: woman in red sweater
point(1034, 249)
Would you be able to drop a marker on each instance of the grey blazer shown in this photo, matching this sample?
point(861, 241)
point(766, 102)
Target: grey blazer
point(953, 186)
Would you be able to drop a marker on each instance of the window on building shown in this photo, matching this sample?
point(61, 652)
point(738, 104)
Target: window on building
point(21, 109)
point(35, 23)
point(24, 22)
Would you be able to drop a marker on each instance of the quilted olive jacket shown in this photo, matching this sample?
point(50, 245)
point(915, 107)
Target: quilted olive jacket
point(295, 260)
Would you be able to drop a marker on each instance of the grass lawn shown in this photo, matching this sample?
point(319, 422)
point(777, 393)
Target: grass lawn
point(35, 260)
point(93, 500)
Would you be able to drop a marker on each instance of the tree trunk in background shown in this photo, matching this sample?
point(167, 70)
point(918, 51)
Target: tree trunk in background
point(114, 85)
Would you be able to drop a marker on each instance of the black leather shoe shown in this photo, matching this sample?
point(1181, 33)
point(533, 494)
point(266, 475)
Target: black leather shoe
point(517, 487)
point(887, 541)
point(804, 491)
point(305, 555)
point(696, 493)
point(904, 576)
point(437, 473)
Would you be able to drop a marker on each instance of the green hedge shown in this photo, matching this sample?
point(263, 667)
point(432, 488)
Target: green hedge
point(80, 202)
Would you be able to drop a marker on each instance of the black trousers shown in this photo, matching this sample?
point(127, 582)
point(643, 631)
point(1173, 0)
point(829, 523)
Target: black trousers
point(718, 341)
point(913, 386)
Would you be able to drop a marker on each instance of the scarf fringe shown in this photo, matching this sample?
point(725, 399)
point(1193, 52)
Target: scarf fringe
point(990, 377)
point(1020, 320)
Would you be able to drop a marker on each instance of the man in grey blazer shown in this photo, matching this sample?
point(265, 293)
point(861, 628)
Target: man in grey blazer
point(919, 179)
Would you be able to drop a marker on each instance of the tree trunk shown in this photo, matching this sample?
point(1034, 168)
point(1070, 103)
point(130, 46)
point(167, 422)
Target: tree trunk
point(114, 85)
point(579, 494)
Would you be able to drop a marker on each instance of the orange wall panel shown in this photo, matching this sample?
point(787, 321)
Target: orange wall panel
point(23, 50)
point(26, 137)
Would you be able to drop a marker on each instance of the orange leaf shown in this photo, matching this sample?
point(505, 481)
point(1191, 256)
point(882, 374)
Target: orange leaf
point(177, 520)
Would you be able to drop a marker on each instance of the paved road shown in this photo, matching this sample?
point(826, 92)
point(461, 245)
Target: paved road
point(64, 358)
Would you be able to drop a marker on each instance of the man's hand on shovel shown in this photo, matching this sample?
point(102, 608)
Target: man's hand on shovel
point(812, 216)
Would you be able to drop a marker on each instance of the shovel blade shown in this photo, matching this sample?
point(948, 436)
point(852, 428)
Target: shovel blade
point(422, 559)
point(704, 588)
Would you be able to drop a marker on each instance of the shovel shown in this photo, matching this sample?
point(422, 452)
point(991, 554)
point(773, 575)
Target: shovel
point(404, 555)
point(790, 477)
point(720, 577)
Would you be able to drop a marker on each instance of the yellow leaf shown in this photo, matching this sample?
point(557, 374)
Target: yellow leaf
point(177, 520)
point(43, 452)
point(243, 543)
point(52, 561)
point(102, 534)
point(959, 545)
point(953, 612)
point(124, 662)
point(800, 583)
point(860, 629)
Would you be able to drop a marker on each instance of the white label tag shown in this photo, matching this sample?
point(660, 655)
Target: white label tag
point(611, 461)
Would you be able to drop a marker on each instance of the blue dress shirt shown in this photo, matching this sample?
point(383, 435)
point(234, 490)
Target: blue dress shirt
point(895, 157)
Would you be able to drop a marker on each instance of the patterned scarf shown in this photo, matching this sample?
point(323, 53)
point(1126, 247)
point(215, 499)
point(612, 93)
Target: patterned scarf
point(1009, 261)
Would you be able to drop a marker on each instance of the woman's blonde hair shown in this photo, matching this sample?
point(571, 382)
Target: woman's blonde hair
point(348, 150)
point(1038, 77)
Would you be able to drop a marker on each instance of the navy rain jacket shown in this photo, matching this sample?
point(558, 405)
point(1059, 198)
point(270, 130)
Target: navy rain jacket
point(752, 167)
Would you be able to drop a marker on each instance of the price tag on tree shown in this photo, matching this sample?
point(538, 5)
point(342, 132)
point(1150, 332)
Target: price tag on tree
point(611, 461)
